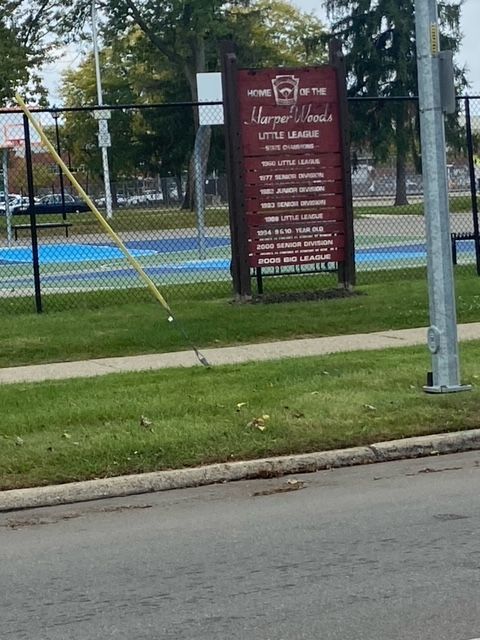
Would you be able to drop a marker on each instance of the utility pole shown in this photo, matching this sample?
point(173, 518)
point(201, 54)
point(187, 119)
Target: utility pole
point(435, 98)
point(102, 116)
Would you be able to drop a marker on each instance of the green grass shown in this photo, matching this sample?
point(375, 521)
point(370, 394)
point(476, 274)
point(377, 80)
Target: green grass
point(151, 219)
point(458, 204)
point(163, 218)
point(89, 428)
point(109, 326)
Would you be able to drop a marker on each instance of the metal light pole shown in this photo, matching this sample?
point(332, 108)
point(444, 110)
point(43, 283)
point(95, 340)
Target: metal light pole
point(102, 116)
point(442, 333)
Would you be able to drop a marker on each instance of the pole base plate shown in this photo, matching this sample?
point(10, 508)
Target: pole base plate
point(447, 389)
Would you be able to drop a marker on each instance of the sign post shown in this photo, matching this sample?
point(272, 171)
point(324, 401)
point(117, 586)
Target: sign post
point(290, 183)
point(240, 269)
point(442, 333)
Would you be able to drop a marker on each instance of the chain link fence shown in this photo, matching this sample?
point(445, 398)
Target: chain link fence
point(388, 191)
point(164, 192)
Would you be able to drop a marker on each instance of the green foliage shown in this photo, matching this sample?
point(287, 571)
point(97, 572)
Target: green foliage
point(274, 33)
point(142, 139)
point(21, 49)
point(147, 60)
point(379, 38)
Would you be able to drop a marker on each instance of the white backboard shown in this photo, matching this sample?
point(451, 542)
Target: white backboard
point(209, 87)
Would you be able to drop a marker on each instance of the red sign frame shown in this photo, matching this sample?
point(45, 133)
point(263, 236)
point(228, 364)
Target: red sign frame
point(291, 145)
point(289, 168)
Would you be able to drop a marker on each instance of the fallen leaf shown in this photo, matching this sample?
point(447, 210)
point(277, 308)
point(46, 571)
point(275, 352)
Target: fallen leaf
point(298, 414)
point(290, 485)
point(19, 441)
point(66, 435)
point(145, 422)
point(257, 423)
point(240, 405)
point(294, 481)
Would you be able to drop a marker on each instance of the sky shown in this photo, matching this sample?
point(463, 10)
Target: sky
point(469, 54)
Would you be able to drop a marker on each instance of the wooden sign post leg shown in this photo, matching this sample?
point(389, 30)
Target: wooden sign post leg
point(234, 160)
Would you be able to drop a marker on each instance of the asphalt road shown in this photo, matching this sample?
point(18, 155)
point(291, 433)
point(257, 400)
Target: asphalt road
point(385, 552)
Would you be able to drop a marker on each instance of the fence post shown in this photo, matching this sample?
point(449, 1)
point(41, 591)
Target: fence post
point(6, 190)
point(473, 184)
point(33, 221)
point(346, 273)
point(55, 116)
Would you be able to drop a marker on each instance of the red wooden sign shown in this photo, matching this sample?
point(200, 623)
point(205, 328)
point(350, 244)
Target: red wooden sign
point(293, 169)
point(296, 230)
point(275, 246)
point(282, 260)
point(291, 163)
point(285, 111)
point(286, 219)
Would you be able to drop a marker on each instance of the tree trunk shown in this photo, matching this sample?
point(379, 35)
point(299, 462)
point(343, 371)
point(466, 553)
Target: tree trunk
point(178, 183)
point(401, 143)
point(401, 182)
point(187, 204)
point(198, 53)
point(165, 191)
point(114, 193)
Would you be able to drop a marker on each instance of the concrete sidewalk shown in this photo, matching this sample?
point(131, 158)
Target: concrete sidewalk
point(228, 355)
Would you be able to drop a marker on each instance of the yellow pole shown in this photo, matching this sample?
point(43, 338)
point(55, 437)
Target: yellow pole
point(103, 223)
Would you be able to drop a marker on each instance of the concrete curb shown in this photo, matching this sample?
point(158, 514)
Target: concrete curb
point(228, 472)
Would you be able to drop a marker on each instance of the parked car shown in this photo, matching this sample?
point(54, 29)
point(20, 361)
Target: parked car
point(11, 199)
point(15, 203)
point(145, 198)
point(56, 198)
point(122, 200)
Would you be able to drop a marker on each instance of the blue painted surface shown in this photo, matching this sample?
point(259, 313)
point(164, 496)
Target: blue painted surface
point(216, 267)
point(67, 253)
point(73, 253)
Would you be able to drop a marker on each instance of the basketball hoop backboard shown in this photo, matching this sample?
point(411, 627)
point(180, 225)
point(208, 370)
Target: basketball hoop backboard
point(13, 136)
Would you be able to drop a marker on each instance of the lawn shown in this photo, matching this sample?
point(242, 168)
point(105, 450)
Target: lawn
point(164, 218)
point(458, 204)
point(108, 325)
point(130, 219)
point(73, 430)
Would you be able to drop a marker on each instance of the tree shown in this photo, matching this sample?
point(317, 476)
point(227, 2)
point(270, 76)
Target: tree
point(136, 70)
point(143, 139)
point(80, 128)
point(379, 38)
point(274, 33)
point(22, 49)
